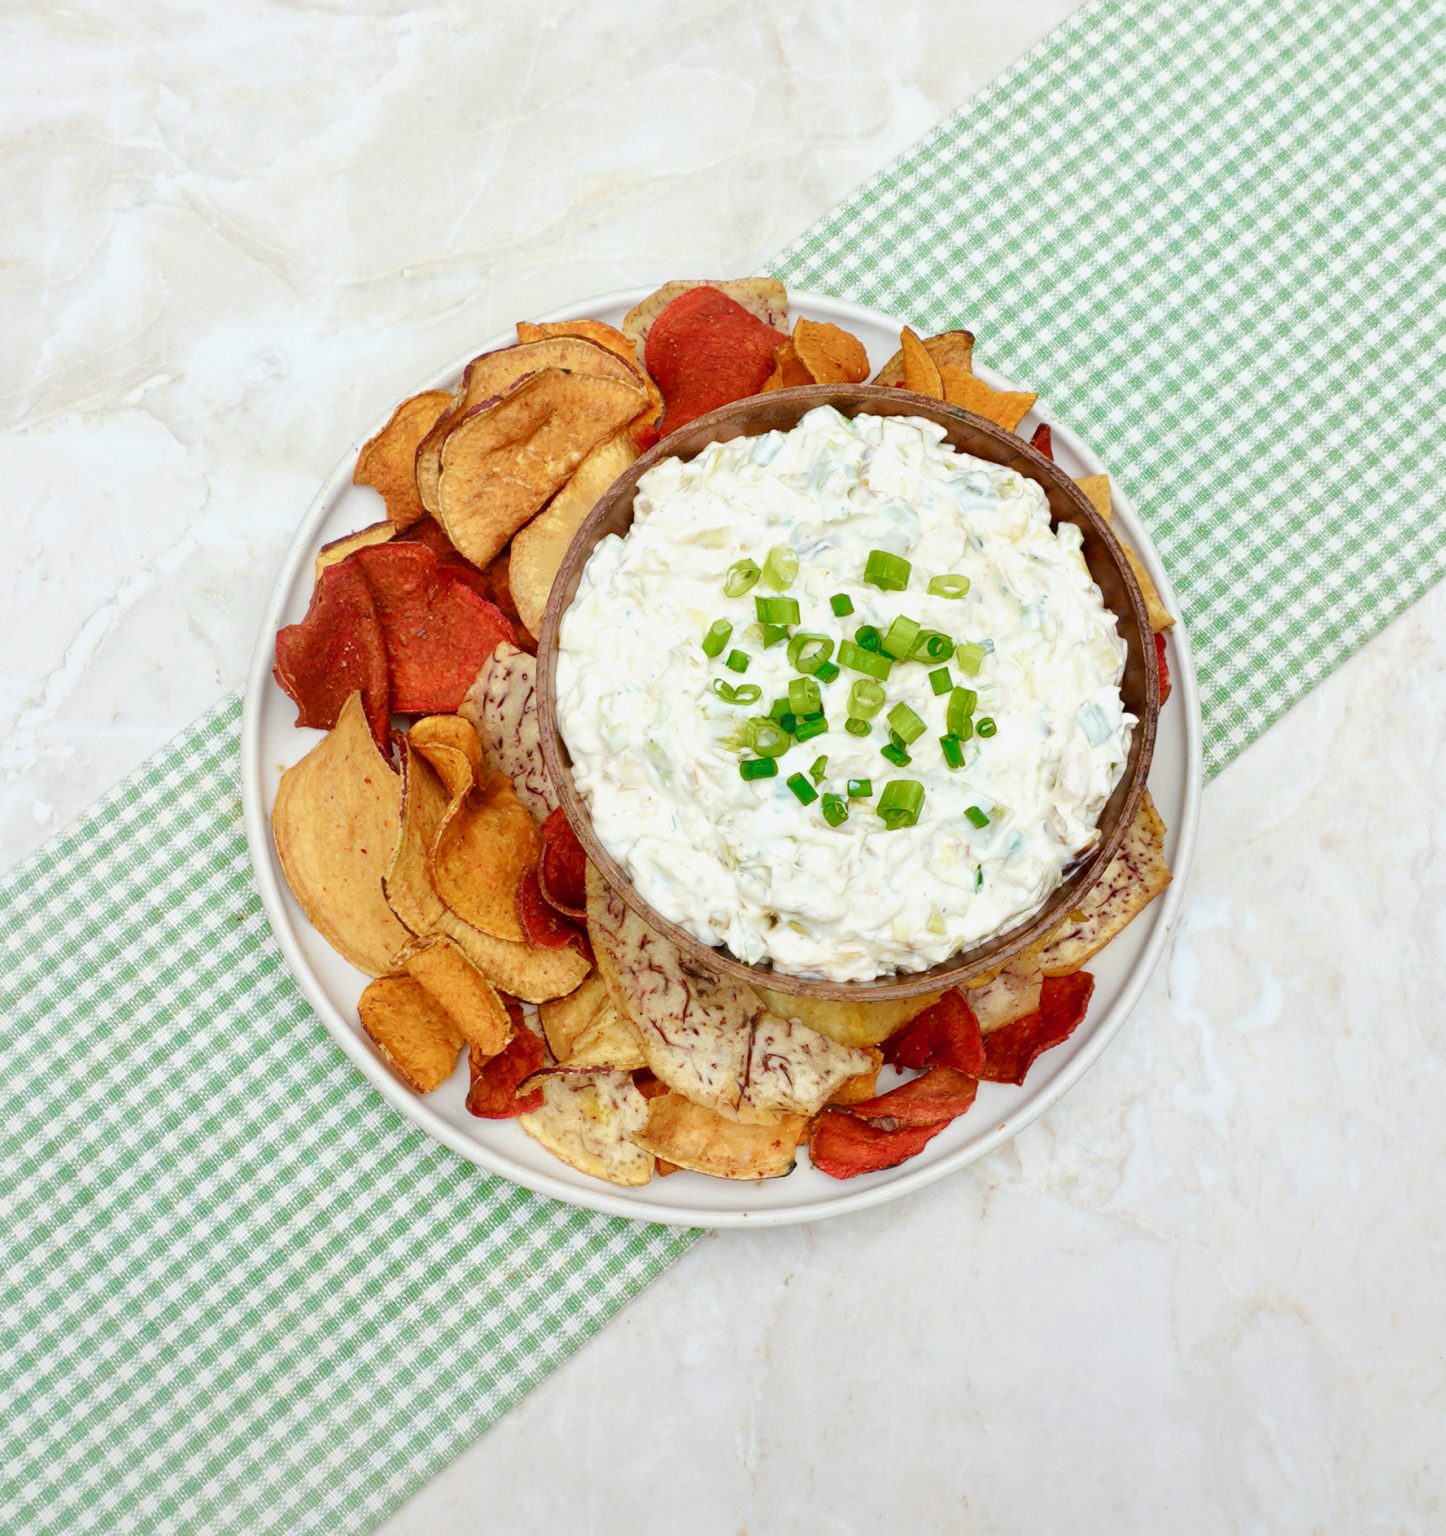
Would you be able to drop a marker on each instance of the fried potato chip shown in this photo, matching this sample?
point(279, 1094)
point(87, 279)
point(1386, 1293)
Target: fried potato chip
point(603, 335)
point(921, 372)
point(687, 1135)
point(487, 842)
point(864, 1086)
point(1011, 1051)
point(828, 353)
point(954, 349)
point(589, 1120)
point(764, 297)
point(1004, 407)
point(1009, 996)
point(585, 1029)
point(848, 1023)
point(451, 745)
point(538, 547)
point(387, 462)
point(1097, 490)
point(335, 825)
point(502, 461)
point(1135, 876)
point(462, 992)
point(413, 1034)
point(788, 372)
point(363, 538)
point(843, 1146)
point(502, 705)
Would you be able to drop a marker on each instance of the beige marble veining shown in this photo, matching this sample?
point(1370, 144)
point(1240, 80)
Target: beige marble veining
point(1203, 1293)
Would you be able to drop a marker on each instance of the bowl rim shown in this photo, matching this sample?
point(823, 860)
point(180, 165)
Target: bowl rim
point(988, 955)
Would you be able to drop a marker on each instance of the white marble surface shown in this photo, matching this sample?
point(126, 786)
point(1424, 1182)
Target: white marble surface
point(1204, 1293)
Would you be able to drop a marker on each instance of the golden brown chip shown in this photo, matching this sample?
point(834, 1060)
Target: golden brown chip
point(485, 845)
point(921, 372)
point(364, 538)
point(585, 1029)
point(461, 991)
point(387, 462)
point(1097, 489)
point(969, 393)
point(829, 354)
point(865, 1085)
point(335, 825)
point(589, 1120)
point(849, 1023)
point(502, 461)
point(765, 297)
point(453, 748)
point(690, 1136)
point(602, 335)
point(538, 548)
point(415, 1036)
point(1008, 996)
point(954, 349)
point(788, 372)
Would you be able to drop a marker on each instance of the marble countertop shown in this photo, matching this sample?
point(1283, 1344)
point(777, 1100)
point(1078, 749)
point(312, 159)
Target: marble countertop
point(1203, 1293)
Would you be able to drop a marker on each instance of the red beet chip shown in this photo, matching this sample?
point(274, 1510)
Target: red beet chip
point(843, 1146)
point(944, 1035)
point(436, 628)
point(429, 531)
point(1043, 441)
point(562, 867)
point(544, 925)
point(704, 350)
point(1164, 664)
point(493, 1094)
point(941, 1094)
point(335, 651)
point(1010, 1052)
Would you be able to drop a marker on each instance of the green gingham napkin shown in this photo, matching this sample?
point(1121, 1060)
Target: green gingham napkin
point(236, 1292)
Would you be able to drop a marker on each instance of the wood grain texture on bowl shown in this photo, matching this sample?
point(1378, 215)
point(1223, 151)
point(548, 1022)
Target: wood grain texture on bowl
point(1139, 688)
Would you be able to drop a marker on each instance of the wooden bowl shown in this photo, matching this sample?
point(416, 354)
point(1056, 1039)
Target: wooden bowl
point(1140, 687)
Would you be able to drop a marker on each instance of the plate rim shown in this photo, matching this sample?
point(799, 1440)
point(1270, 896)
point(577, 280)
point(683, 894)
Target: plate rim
point(605, 1200)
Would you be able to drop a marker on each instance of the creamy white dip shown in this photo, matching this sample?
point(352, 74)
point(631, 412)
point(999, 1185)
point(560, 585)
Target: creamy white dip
point(656, 752)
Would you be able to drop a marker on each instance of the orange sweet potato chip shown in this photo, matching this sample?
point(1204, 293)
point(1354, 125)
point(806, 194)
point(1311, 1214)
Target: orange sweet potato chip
point(788, 371)
point(462, 992)
point(387, 462)
point(829, 354)
point(486, 842)
point(921, 372)
point(954, 348)
point(971, 393)
point(414, 1035)
point(363, 538)
point(602, 335)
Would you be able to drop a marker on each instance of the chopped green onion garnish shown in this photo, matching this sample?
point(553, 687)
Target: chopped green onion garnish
point(827, 671)
point(970, 658)
point(842, 605)
point(953, 751)
point(805, 791)
point(891, 572)
point(804, 697)
point(737, 661)
point(773, 633)
point(940, 681)
point(778, 709)
point(856, 727)
point(860, 789)
point(717, 637)
point(938, 647)
point(960, 713)
point(868, 637)
point(806, 730)
point(743, 693)
point(976, 816)
point(900, 803)
point(899, 640)
point(767, 738)
point(808, 651)
point(780, 566)
point(788, 721)
point(835, 811)
point(818, 768)
point(757, 768)
point(978, 877)
point(896, 755)
point(776, 610)
point(905, 723)
point(985, 726)
point(742, 577)
point(857, 659)
point(948, 586)
point(866, 698)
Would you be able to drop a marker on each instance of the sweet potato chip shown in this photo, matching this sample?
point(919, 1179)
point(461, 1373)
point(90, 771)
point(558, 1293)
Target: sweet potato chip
point(487, 843)
point(1005, 997)
point(462, 992)
point(337, 551)
point(859, 1024)
point(602, 335)
point(1004, 407)
point(542, 924)
point(843, 1146)
point(1162, 662)
point(1097, 489)
point(704, 351)
point(944, 1035)
point(1042, 441)
point(538, 548)
point(562, 867)
point(494, 1094)
point(451, 746)
point(502, 461)
point(688, 1135)
point(416, 1037)
point(335, 825)
point(585, 1029)
point(921, 372)
point(828, 353)
point(764, 297)
point(1010, 1052)
point(1135, 876)
point(941, 1094)
point(952, 348)
point(788, 371)
point(336, 651)
point(502, 705)
point(589, 1120)
point(387, 462)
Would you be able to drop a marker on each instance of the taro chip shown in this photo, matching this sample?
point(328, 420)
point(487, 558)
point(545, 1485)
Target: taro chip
point(487, 843)
point(1063, 1002)
point(457, 987)
point(416, 1037)
point(387, 462)
point(1162, 661)
point(586, 1029)
point(337, 551)
point(1006, 408)
point(335, 824)
point(336, 651)
point(941, 1094)
point(921, 372)
point(688, 1135)
point(495, 1081)
point(502, 705)
point(1043, 441)
point(542, 925)
point(788, 371)
point(829, 354)
point(588, 1120)
point(863, 1085)
point(704, 350)
point(843, 1146)
point(1006, 996)
point(944, 1035)
point(562, 867)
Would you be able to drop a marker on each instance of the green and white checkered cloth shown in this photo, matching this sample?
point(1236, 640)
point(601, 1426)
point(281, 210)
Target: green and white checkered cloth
point(238, 1294)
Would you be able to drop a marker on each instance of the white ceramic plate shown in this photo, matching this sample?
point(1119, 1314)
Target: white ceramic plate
point(270, 741)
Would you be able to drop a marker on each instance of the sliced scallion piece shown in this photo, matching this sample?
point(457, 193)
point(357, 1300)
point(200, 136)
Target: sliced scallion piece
point(780, 566)
point(889, 572)
point(742, 577)
point(900, 802)
point(977, 818)
point(717, 637)
point(970, 657)
point(856, 727)
point(804, 697)
point(899, 638)
point(866, 698)
point(827, 671)
point(868, 636)
point(800, 786)
point(842, 605)
point(808, 651)
point(773, 633)
point(860, 789)
point(960, 714)
point(742, 693)
point(940, 680)
point(857, 659)
point(835, 810)
point(776, 610)
point(757, 768)
point(818, 768)
point(948, 586)
point(953, 750)
point(737, 661)
point(984, 726)
point(906, 724)
point(806, 730)
point(767, 738)
point(895, 754)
